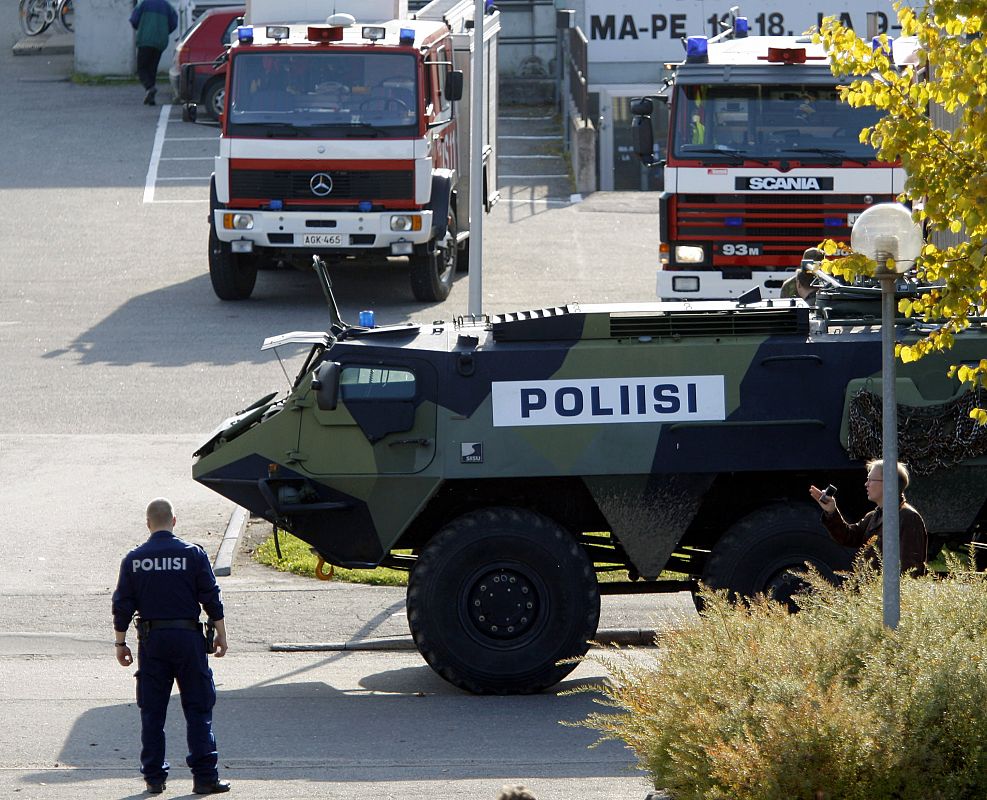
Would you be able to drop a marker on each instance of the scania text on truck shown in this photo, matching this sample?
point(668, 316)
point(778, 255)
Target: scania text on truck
point(763, 161)
point(349, 136)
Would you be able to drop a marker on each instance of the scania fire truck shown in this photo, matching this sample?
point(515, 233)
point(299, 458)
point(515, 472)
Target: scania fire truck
point(348, 136)
point(763, 161)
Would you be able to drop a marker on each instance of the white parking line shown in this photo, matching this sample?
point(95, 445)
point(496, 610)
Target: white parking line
point(152, 167)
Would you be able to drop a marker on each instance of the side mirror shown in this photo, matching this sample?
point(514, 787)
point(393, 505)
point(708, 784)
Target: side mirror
point(454, 85)
point(642, 106)
point(325, 384)
point(644, 139)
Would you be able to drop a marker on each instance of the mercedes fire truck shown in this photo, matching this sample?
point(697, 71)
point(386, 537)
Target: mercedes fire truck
point(763, 161)
point(348, 136)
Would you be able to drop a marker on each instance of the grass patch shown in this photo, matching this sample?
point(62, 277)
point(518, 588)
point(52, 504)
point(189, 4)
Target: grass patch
point(753, 703)
point(297, 558)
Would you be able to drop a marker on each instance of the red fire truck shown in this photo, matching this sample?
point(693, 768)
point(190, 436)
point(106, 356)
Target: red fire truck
point(762, 161)
point(349, 137)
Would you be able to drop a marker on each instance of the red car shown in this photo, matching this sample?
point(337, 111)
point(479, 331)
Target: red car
point(202, 44)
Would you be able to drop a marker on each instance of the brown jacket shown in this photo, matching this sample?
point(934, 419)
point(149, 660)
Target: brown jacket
point(911, 530)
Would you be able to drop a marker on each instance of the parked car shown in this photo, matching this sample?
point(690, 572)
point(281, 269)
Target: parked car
point(202, 44)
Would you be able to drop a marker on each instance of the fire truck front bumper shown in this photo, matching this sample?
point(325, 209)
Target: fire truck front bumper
point(728, 284)
point(396, 233)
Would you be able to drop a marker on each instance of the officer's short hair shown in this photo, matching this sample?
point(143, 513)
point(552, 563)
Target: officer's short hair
point(160, 512)
point(515, 792)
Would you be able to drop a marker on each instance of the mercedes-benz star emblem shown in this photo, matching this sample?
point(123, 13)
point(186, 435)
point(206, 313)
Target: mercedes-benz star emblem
point(321, 184)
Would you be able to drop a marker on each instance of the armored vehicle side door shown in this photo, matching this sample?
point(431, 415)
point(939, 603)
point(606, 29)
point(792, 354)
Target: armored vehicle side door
point(383, 423)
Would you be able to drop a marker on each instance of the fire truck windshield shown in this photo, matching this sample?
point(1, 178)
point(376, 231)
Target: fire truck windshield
point(338, 94)
point(793, 122)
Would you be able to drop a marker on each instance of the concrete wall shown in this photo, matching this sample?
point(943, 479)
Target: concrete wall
point(582, 153)
point(104, 40)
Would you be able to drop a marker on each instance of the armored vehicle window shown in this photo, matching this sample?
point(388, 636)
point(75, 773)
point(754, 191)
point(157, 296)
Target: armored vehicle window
point(376, 383)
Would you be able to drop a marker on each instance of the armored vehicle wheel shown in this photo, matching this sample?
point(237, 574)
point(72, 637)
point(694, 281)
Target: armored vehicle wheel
point(498, 597)
point(432, 270)
point(766, 552)
point(233, 275)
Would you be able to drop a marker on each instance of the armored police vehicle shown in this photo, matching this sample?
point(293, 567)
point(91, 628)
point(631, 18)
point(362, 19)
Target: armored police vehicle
point(519, 456)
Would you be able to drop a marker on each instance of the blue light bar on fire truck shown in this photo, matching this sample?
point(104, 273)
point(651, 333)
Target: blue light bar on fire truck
point(740, 28)
point(697, 50)
point(245, 34)
point(407, 36)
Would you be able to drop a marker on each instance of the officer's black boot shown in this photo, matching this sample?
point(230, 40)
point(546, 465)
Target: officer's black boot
point(213, 787)
point(155, 788)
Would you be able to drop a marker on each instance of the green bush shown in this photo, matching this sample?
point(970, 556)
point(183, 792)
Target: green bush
point(753, 703)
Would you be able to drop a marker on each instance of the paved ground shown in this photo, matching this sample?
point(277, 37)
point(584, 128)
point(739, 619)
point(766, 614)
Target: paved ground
point(117, 359)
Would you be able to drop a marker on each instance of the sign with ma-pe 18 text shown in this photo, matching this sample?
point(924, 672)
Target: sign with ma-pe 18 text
point(652, 32)
point(604, 401)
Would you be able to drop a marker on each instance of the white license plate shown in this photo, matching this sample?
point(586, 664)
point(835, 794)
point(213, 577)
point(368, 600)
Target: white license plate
point(322, 239)
point(851, 218)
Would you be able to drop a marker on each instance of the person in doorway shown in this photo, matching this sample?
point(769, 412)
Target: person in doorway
point(867, 532)
point(154, 21)
point(165, 581)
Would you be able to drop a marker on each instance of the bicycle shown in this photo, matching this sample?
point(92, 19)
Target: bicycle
point(36, 16)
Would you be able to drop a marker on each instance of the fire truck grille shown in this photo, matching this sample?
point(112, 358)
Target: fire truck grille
point(346, 185)
point(779, 224)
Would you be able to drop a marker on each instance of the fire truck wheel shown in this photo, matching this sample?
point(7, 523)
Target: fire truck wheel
point(233, 275)
point(498, 597)
point(213, 97)
point(432, 270)
point(766, 552)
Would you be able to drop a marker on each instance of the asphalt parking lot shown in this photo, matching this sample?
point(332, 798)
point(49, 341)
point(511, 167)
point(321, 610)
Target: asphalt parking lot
point(117, 359)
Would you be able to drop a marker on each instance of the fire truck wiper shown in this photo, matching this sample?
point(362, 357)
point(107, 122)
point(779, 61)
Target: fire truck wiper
point(836, 155)
point(735, 155)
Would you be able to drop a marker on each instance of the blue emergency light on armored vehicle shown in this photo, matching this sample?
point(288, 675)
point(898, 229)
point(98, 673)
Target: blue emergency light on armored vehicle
point(511, 461)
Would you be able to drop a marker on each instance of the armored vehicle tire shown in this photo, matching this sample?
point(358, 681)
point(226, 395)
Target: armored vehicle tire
point(766, 552)
point(433, 268)
point(233, 275)
point(498, 597)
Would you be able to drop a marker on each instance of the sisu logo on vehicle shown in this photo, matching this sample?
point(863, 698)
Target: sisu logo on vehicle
point(605, 401)
point(784, 183)
point(471, 452)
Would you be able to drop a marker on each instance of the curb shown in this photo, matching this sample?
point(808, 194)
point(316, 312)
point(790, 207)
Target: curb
point(55, 44)
point(223, 565)
point(612, 636)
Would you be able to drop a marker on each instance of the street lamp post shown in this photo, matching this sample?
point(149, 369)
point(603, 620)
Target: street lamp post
point(887, 234)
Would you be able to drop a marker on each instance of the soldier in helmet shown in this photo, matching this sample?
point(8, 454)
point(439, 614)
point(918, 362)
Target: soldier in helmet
point(800, 284)
point(165, 581)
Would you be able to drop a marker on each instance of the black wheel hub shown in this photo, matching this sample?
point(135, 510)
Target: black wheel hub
point(503, 603)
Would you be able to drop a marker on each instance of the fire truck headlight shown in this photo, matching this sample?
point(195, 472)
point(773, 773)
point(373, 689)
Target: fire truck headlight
point(685, 283)
point(406, 222)
point(238, 222)
point(689, 254)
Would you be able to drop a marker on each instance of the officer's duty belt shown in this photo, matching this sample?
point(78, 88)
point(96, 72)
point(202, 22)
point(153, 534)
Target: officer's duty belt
point(187, 624)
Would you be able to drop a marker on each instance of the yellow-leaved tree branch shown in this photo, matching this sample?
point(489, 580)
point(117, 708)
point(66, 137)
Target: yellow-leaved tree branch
point(945, 165)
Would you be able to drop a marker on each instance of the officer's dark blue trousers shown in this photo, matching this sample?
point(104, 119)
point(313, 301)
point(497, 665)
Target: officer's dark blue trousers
point(165, 656)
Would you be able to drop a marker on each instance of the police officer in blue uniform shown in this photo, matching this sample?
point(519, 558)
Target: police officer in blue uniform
point(165, 581)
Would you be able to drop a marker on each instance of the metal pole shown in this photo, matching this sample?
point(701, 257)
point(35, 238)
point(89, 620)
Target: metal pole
point(891, 545)
point(477, 138)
